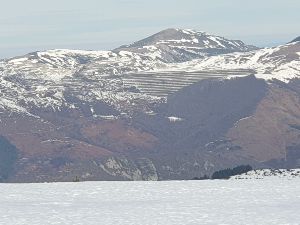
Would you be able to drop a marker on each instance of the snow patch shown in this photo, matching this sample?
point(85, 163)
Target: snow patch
point(174, 119)
point(270, 173)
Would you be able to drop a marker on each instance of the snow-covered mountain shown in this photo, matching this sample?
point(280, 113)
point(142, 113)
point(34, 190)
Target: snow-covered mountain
point(44, 79)
point(159, 108)
point(177, 45)
point(168, 46)
point(145, 70)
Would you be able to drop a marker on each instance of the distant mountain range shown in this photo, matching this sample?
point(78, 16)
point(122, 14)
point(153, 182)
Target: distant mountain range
point(175, 105)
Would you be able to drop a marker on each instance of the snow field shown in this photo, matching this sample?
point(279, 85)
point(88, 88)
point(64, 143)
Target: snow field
point(255, 202)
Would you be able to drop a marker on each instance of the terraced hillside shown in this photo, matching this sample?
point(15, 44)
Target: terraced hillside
point(281, 62)
point(162, 84)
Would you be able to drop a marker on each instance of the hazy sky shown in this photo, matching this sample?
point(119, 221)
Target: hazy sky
point(32, 25)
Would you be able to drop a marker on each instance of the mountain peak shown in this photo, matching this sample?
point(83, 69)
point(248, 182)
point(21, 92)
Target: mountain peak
point(169, 36)
point(179, 45)
point(180, 31)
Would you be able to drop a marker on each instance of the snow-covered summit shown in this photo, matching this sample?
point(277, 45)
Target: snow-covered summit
point(179, 45)
point(149, 54)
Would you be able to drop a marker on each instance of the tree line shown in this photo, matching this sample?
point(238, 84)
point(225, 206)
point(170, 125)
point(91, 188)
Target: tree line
point(226, 173)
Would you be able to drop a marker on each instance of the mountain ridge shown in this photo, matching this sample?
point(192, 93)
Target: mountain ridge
point(296, 39)
point(56, 71)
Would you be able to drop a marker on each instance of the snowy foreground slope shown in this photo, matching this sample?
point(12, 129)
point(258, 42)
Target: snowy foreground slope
point(257, 202)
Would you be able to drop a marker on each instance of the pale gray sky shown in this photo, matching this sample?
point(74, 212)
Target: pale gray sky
point(33, 25)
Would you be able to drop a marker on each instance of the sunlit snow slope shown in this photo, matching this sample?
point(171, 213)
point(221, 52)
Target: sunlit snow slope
point(282, 62)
